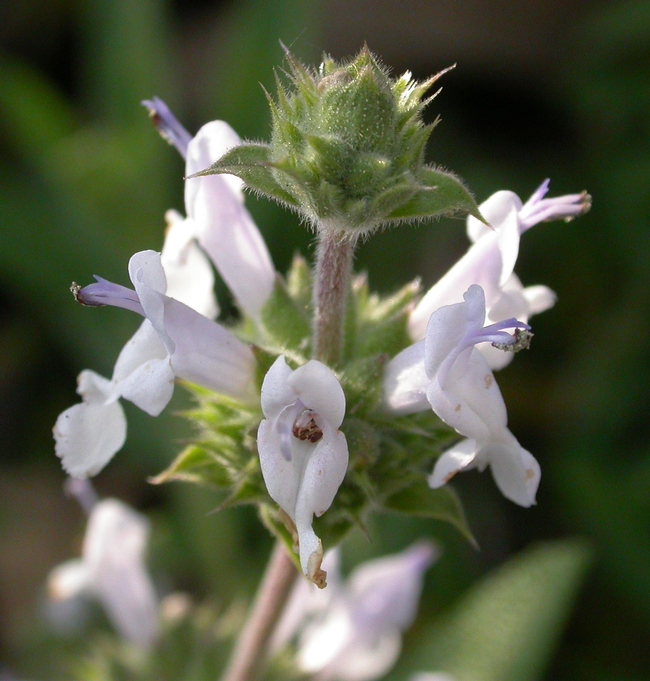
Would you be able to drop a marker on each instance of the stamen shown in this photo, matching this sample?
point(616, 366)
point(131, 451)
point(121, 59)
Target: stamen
point(538, 209)
point(167, 125)
point(520, 340)
point(106, 293)
point(306, 428)
point(495, 334)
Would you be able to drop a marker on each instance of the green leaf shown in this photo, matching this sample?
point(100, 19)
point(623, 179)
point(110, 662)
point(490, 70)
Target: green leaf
point(252, 163)
point(419, 500)
point(195, 464)
point(506, 626)
point(284, 321)
point(441, 193)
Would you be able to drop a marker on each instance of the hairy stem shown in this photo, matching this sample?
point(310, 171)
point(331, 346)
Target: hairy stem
point(333, 266)
point(250, 650)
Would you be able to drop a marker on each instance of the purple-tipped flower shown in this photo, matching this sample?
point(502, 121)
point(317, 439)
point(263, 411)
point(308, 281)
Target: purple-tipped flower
point(167, 125)
point(175, 340)
point(491, 259)
point(447, 372)
point(216, 215)
point(303, 454)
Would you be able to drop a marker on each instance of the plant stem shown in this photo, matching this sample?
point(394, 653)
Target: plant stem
point(334, 263)
point(333, 266)
point(250, 650)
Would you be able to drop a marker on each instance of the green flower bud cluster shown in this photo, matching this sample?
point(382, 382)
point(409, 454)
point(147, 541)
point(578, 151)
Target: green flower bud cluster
point(347, 149)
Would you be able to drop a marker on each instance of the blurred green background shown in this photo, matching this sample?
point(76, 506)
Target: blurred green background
point(542, 89)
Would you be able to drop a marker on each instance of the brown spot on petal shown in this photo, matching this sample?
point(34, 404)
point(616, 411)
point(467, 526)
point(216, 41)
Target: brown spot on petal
point(489, 380)
point(529, 474)
point(314, 572)
point(457, 408)
point(450, 476)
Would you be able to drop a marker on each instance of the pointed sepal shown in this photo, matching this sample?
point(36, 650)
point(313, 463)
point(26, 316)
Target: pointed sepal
point(252, 163)
point(439, 193)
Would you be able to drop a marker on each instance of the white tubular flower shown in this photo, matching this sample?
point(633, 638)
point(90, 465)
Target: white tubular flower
point(460, 387)
point(222, 225)
point(491, 259)
point(112, 570)
point(358, 637)
point(303, 455)
point(173, 341)
point(216, 215)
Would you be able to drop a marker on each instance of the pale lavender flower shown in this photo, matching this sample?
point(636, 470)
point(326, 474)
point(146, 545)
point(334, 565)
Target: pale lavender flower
point(303, 454)
point(112, 570)
point(491, 259)
point(173, 341)
point(447, 372)
point(357, 635)
point(216, 215)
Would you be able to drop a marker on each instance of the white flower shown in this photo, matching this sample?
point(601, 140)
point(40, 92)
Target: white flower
point(223, 226)
point(303, 455)
point(216, 215)
point(491, 259)
point(448, 371)
point(357, 634)
point(113, 571)
point(173, 341)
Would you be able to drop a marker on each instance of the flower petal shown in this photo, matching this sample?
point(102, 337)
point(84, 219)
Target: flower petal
point(321, 479)
point(515, 471)
point(67, 580)
point(406, 381)
point(457, 458)
point(207, 354)
point(276, 391)
point(150, 386)
point(87, 436)
point(495, 209)
point(223, 226)
point(319, 389)
point(188, 271)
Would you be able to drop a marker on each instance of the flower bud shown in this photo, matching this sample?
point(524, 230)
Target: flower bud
point(347, 149)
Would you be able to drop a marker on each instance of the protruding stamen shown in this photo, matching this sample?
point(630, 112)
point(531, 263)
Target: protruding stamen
point(520, 340)
point(167, 125)
point(495, 334)
point(538, 209)
point(106, 293)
